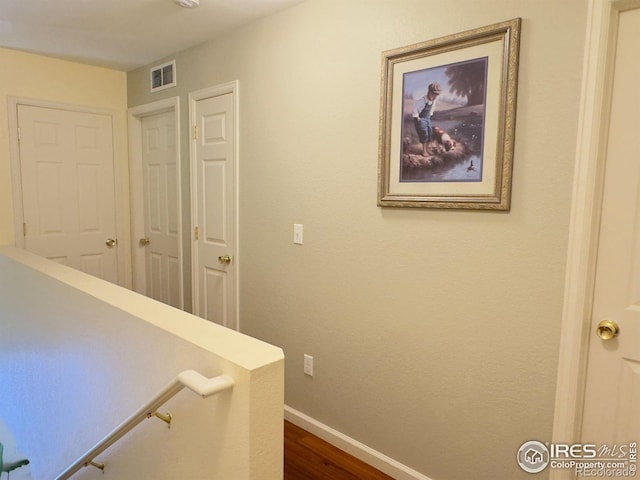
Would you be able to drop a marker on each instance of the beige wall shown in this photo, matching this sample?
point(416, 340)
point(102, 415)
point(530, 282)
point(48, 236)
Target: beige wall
point(434, 333)
point(32, 76)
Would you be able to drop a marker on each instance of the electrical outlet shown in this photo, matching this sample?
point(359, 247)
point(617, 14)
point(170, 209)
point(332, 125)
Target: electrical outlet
point(308, 365)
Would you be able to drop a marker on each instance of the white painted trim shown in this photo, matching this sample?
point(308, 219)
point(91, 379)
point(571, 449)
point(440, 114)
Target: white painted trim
point(585, 217)
point(16, 171)
point(217, 90)
point(353, 447)
point(135, 115)
point(121, 199)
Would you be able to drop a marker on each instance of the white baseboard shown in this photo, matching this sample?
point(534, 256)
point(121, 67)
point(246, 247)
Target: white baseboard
point(347, 444)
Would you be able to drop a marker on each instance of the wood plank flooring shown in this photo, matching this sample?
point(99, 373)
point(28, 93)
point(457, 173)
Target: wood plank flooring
point(307, 457)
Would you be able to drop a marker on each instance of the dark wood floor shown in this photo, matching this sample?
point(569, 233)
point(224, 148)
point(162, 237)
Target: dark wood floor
point(307, 457)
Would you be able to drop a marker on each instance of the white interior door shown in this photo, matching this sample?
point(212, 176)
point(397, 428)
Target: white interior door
point(612, 402)
point(214, 209)
point(68, 195)
point(163, 264)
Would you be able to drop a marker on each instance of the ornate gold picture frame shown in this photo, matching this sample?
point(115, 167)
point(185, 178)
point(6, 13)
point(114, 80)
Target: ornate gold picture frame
point(447, 120)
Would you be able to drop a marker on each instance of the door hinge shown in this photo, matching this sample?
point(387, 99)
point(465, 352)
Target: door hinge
point(24, 229)
point(195, 132)
point(19, 134)
point(196, 233)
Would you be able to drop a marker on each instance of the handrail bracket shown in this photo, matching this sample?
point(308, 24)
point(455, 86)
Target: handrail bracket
point(165, 417)
point(99, 466)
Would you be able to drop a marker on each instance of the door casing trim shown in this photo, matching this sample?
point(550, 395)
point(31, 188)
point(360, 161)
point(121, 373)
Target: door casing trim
point(584, 228)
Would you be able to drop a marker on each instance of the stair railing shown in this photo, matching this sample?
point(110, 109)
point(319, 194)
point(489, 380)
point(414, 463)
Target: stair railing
point(191, 379)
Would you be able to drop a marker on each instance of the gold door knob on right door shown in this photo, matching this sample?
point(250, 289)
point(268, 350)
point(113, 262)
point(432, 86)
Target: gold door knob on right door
point(224, 259)
point(607, 329)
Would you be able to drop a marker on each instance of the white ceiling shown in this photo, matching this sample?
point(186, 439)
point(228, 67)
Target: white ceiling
point(122, 34)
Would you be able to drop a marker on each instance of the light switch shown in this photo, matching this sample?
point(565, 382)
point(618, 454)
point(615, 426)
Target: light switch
point(308, 365)
point(297, 233)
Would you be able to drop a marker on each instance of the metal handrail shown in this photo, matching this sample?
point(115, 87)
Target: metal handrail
point(191, 379)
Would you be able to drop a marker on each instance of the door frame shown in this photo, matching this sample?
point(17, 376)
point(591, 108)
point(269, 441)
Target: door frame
point(595, 105)
point(120, 178)
point(208, 92)
point(135, 116)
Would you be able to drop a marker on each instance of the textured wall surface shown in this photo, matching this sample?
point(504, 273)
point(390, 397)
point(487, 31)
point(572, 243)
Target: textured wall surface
point(434, 333)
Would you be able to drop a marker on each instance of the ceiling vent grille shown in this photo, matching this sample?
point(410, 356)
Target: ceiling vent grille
point(163, 76)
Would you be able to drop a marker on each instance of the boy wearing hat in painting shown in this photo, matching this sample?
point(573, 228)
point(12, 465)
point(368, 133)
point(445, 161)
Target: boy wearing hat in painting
point(422, 112)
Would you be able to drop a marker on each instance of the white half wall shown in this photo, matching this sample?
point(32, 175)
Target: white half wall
point(79, 355)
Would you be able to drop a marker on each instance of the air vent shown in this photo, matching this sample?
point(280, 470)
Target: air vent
point(163, 76)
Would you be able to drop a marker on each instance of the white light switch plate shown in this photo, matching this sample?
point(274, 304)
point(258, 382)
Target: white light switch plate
point(308, 365)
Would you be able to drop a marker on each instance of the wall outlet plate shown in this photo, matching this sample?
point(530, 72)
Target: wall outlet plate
point(297, 233)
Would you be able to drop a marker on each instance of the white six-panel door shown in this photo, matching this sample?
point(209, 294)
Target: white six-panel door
point(214, 209)
point(68, 198)
point(612, 399)
point(162, 228)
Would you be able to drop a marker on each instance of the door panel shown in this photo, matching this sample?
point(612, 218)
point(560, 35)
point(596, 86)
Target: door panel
point(215, 283)
point(215, 290)
point(66, 160)
point(163, 263)
point(612, 401)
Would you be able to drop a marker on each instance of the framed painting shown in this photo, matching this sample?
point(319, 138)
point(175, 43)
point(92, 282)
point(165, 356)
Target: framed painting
point(447, 121)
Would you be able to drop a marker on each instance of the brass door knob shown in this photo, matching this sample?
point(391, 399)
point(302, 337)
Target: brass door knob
point(111, 242)
point(224, 259)
point(607, 329)
point(144, 242)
